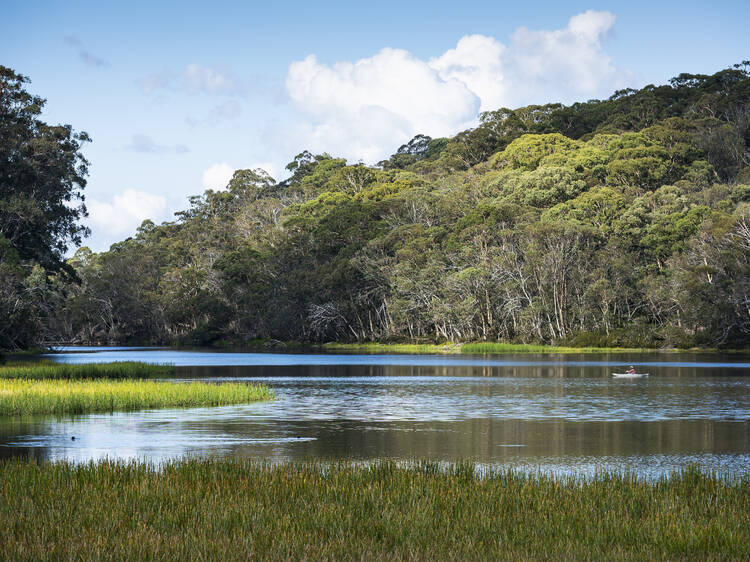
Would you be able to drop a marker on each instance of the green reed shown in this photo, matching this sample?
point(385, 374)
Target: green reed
point(20, 397)
point(233, 509)
point(46, 369)
point(477, 347)
point(375, 347)
point(499, 347)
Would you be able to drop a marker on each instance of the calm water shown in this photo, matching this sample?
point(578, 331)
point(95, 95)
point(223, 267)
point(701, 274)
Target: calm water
point(559, 414)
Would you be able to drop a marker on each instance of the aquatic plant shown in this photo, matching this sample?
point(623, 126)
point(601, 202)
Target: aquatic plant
point(374, 347)
point(43, 370)
point(235, 509)
point(23, 397)
point(500, 347)
point(477, 347)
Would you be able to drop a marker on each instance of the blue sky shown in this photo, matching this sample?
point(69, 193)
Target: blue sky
point(178, 94)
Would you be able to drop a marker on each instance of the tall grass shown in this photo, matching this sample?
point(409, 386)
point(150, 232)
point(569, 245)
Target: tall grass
point(23, 397)
point(375, 347)
point(477, 347)
point(232, 509)
point(44, 370)
point(499, 347)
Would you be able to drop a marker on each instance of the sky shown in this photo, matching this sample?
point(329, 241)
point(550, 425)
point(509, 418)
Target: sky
point(178, 95)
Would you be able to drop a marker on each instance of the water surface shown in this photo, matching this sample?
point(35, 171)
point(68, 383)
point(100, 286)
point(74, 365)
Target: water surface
point(560, 413)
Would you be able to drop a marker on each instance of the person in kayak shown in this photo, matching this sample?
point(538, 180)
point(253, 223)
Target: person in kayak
point(630, 371)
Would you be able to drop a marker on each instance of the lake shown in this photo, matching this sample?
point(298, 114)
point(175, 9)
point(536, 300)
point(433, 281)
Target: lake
point(559, 414)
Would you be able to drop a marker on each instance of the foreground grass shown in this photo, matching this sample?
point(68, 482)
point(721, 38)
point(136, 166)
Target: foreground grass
point(479, 347)
point(44, 370)
point(230, 509)
point(23, 397)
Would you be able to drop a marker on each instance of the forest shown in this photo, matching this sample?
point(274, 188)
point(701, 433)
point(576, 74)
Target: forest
point(617, 222)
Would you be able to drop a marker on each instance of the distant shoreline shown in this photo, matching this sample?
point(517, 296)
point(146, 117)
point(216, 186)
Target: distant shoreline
point(447, 348)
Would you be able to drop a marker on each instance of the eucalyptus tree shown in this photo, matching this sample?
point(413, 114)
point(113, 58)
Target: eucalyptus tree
point(620, 221)
point(42, 177)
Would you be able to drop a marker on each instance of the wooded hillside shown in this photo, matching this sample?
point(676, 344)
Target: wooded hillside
point(617, 222)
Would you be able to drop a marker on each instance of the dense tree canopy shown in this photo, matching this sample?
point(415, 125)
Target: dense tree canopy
point(42, 175)
point(623, 221)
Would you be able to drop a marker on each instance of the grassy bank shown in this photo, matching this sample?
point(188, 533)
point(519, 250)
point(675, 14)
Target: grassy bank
point(23, 397)
point(44, 370)
point(230, 509)
point(372, 347)
point(477, 347)
point(496, 347)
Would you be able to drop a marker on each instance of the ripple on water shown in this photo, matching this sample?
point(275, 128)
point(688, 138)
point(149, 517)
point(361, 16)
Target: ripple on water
point(555, 414)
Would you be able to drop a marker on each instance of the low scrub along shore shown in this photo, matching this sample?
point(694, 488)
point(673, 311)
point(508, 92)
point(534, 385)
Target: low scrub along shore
point(76, 389)
point(478, 347)
point(233, 509)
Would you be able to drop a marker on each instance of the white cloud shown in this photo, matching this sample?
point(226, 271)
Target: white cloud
point(125, 213)
point(217, 176)
point(477, 62)
point(392, 82)
point(359, 107)
point(591, 25)
point(564, 65)
point(364, 109)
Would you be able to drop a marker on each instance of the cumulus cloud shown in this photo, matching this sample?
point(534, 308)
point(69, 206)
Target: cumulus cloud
point(125, 212)
point(144, 143)
point(85, 55)
point(359, 106)
point(363, 109)
point(194, 79)
point(477, 62)
point(565, 64)
point(217, 176)
point(392, 83)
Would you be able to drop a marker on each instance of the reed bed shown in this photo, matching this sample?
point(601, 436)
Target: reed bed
point(45, 370)
point(499, 347)
point(23, 397)
point(477, 347)
point(374, 347)
point(232, 509)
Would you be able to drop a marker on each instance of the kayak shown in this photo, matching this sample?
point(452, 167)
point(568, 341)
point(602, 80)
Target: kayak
point(629, 375)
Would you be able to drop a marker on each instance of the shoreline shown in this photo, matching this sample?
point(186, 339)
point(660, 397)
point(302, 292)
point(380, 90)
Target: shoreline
point(453, 348)
point(448, 348)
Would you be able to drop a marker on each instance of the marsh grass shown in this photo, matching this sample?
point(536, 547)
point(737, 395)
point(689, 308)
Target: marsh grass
point(20, 397)
point(233, 509)
point(478, 347)
point(45, 370)
point(374, 347)
point(498, 347)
